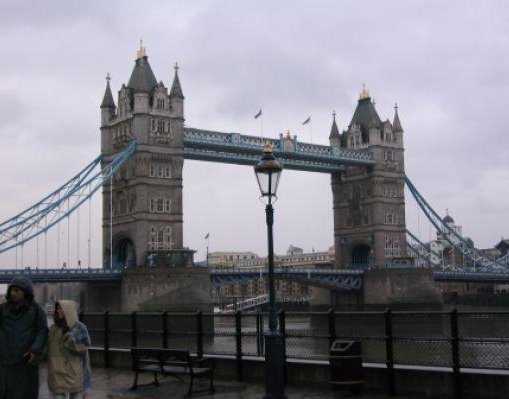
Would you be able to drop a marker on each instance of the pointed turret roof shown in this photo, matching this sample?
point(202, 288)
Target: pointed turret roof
point(108, 97)
point(396, 124)
point(176, 89)
point(142, 78)
point(334, 132)
point(365, 114)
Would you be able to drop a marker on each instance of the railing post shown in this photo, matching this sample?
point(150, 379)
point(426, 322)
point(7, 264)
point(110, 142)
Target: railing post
point(455, 350)
point(282, 330)
point(199, 333)
point(259, 334)
point(332, 326)
point(238, 340)
point(164, 320)
point(134, 330)
point(106, 339)
point(389, 352)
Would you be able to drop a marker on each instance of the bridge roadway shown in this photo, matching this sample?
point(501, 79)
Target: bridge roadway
point(328, 278)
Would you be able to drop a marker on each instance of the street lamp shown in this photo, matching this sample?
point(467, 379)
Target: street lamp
point(268, 172)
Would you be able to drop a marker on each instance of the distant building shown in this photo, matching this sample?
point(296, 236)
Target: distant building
point(503, 246)
point(295, 258)
point(227, 259)
point(442, 251)
point(292, 250)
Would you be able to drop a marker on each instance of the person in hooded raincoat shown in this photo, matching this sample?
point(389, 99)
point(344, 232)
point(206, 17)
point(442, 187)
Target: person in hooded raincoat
point(68, 361)
point(23, 335)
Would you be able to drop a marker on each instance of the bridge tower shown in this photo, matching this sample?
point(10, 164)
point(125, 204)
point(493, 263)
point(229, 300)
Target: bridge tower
point(369, 204)
point(142, 207)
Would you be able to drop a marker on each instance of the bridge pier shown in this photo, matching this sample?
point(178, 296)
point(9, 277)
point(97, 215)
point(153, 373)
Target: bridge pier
point(101, 297)
point(173, 289)
point(401, 288)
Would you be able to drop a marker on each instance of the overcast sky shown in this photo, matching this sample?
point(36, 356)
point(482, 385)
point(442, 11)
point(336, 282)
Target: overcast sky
point(445, 63)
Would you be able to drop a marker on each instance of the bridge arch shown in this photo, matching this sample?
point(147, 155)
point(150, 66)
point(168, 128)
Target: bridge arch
point(362, 256)
point(124, 252)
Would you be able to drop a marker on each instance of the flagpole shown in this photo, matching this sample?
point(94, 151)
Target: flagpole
point(308, 122)
point(261, 125)
point(259, 114)
point(208, 245)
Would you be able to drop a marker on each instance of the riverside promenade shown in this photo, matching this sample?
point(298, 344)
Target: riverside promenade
point(115, 383)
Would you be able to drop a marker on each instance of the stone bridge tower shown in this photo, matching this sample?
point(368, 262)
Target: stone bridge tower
point(142, 207)
point(369, 204)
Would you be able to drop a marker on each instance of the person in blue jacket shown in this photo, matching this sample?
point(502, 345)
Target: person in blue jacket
point(23, 336)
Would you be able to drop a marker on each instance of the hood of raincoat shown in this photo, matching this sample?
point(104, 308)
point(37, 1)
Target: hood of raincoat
point(25, 284)
point(70, 309)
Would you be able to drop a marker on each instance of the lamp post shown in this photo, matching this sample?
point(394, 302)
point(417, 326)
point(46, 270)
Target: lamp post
point(268, 172)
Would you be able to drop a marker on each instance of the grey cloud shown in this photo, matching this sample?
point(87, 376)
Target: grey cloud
point(444, 63)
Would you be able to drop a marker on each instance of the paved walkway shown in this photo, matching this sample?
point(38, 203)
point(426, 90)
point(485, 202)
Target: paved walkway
point(114, 384)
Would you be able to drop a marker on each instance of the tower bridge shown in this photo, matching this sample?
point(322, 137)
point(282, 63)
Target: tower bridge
point(335, 279)
point(143, 147)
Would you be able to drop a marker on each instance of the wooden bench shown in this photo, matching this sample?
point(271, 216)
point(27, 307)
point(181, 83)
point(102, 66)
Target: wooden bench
point(171, 362)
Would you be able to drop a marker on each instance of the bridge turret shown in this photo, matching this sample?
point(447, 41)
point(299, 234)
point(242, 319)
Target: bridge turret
point(176, 96)
point(145, 198)
point(107, 105)
point(396, 127)
point(142, 82)
point(334, 137)
point(369, 205)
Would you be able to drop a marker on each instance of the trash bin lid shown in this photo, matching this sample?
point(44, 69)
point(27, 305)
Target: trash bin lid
point(341, 345)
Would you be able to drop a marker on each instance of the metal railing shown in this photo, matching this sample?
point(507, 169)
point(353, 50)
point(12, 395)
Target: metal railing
point(452, 340)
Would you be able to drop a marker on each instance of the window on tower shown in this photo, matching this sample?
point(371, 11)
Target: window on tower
point(160, 103)
point(160, 170)
point(160, 205)
point(389, 155)
point(391, 246)
point(391, 217)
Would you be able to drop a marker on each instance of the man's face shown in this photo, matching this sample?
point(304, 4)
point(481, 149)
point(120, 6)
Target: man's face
point(16, 294)
point(60, 313)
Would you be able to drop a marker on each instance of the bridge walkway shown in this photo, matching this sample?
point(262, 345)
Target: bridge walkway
point(114, 384)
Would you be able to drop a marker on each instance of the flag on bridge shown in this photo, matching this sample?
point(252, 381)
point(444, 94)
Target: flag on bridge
point(258, 114)
point(307, 120)
point(207, 236)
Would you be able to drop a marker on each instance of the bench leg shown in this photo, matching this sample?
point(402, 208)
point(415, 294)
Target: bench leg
point(212, 389)
point(190, 391)
point(135, 383)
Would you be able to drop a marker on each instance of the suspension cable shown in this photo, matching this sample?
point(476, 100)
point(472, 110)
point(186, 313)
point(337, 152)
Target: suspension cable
point(462, 245)
point(26, 225)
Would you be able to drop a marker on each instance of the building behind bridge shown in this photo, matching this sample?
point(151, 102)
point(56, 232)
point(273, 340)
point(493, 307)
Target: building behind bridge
point(294, 258)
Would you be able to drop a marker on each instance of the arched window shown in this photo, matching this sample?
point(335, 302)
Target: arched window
point(153, 238)
point(167, 238)
point(167, 205)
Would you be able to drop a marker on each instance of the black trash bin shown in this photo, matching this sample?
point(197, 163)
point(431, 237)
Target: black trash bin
point(346, 365)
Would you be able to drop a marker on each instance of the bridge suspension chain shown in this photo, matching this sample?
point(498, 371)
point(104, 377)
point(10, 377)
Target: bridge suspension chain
point(61, 203)
point(458, 243)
